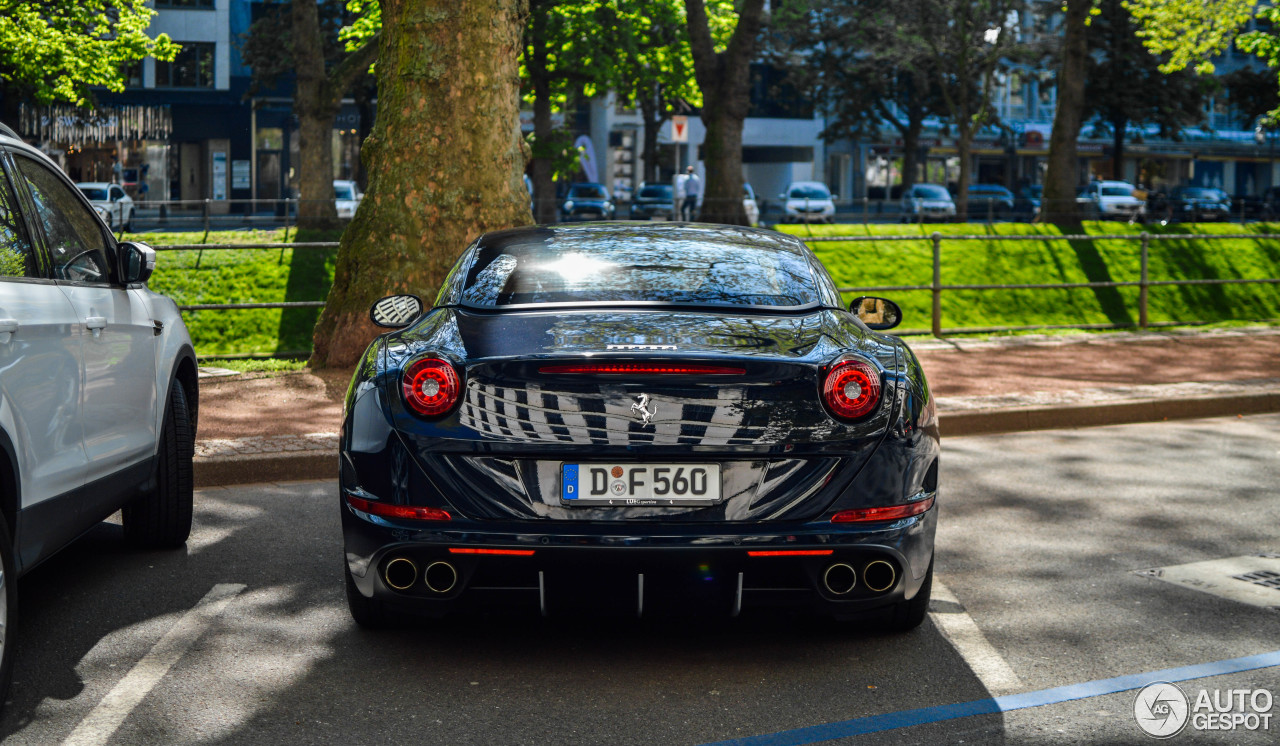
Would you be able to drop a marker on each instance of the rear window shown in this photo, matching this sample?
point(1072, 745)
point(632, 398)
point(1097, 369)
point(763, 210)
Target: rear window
point(810, 192)
point(589, 191)
point(638, 270)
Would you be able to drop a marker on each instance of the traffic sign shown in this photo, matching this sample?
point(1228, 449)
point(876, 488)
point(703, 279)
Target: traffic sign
point(679, 129)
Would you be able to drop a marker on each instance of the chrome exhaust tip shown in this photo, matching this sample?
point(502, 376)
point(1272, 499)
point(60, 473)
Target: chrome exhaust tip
point(400, 573)
point(879, 576)
point(840, 578)
point(440, 577)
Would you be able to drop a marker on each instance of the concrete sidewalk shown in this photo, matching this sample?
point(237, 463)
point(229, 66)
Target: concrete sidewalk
point(982, 386)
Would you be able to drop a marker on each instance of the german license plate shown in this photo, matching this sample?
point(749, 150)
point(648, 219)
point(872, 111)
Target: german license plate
point(640, 484)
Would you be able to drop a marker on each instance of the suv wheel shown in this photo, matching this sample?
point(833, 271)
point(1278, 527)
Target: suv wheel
point(8, 609)
point(369, 613)
point(905, 616)
point(163, 517)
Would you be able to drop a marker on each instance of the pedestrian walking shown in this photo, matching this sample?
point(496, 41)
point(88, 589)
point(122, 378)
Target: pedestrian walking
point(692, 188)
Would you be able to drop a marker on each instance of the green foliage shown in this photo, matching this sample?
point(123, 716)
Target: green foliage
point(1052, 260)
point(12, 263)
point(263, 365)
point(1190, 32)
point(559, 150)
point(57, 50)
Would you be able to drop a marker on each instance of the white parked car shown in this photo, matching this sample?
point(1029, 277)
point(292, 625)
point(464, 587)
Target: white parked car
point(927, 203)
point(807, 202)
point(98, 382)
point(1111, 200)
point(346, 197)
point(110, 202)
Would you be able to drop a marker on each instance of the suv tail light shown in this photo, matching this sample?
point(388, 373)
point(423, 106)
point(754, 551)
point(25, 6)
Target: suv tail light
point(852, 389)
point(430, 386)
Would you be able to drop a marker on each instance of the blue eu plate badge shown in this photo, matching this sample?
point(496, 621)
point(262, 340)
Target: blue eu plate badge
point(569, 482)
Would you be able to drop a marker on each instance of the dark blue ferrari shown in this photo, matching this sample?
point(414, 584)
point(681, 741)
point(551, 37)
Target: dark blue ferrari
point(639, 417)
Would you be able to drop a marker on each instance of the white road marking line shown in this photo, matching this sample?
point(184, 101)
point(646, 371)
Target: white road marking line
point(103, 721)
point(963, 634)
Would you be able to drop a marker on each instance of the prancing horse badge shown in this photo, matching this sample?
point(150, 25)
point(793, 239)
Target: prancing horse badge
point(641, 408)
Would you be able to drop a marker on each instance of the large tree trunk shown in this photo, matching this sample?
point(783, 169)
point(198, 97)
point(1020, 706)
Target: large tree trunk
point(964, 150)
point(1118, 126)
point(315, 108)
point(444, 159)
point(725, 80)
point(911, 148)
point(1061, 180)
point(652, 122)
point(544, 187)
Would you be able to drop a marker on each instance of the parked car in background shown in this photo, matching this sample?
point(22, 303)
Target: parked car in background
point(654, 201)
point(1028, 203)
point(807, 202)
point(346, 197)
point(587, 201)
point(110, 202)
point(98, 382)
point(990, 201)
point(927, 202)
point(1188, 204)
point(1110, 200)
point(750, 205)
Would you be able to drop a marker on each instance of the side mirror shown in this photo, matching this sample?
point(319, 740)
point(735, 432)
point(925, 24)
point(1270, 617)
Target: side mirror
point(137, 261)
point(396, 311)
point(878, 314)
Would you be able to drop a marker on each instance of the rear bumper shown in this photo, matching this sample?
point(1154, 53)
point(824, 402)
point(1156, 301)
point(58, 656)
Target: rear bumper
point(648, 567)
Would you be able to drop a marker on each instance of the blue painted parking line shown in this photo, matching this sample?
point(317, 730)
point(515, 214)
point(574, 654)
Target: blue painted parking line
point(1040, 698)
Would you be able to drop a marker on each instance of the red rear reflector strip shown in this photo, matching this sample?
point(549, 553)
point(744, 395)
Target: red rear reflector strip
point(653, 368)
point(411, 512)
point(888, 513)
point(789, 552)
point(502, 552)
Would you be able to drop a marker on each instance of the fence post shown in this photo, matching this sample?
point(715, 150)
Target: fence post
point(937, 283)
point(1142, 282)
point(206, 216)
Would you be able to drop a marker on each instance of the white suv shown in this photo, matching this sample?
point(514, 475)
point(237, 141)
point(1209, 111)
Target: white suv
point(1111, 200)
point(98, 394)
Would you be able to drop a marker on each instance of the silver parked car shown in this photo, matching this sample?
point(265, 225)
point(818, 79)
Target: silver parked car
point(111, 202)
point(98, 395)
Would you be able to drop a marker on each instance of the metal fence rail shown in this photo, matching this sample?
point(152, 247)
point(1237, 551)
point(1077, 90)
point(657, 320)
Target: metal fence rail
point(936, 287)
point(1143, 284)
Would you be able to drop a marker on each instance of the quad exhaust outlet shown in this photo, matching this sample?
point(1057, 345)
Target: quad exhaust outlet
point(840, 578)
point(400, 573)
point(879, 576)
point(440, 577)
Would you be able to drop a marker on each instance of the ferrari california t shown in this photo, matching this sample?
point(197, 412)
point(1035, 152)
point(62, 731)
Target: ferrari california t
point(640, 417)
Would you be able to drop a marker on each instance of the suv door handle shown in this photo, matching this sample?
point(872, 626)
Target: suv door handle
point(7, 328)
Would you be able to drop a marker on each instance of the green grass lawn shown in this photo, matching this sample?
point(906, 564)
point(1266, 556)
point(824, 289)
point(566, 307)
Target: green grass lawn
point(245, 276)
point(270, 275)
point(1052, 260)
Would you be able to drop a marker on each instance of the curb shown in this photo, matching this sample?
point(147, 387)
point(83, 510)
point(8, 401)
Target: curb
point(1020, 419)
point(322, 464)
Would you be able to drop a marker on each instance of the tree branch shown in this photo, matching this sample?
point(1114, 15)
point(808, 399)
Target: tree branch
point(342, 75)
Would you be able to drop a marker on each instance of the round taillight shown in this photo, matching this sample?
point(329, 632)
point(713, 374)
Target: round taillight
point(430, 387)
point(852, 389)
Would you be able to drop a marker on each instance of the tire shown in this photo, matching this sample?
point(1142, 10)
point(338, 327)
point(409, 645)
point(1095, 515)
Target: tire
point(8, 611)
point(369, 613)
point(905, 616)
point(162, 518)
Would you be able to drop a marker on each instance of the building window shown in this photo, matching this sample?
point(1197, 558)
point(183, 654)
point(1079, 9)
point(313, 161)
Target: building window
point(132, 74)
point(192, 68)
point(185, 4)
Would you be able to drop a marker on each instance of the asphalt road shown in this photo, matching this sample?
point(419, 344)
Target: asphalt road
point(244, 637)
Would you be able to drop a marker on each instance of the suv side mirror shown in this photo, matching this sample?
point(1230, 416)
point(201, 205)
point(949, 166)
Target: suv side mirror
point(137, 261)
point(396, 311)
point(878, 314)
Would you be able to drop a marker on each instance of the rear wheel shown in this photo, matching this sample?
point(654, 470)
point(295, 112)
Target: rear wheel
point(8, 609)
point(162, 519)
point(905, 616)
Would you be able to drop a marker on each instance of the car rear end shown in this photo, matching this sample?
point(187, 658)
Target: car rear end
point(555, 459)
